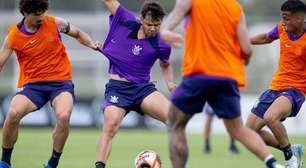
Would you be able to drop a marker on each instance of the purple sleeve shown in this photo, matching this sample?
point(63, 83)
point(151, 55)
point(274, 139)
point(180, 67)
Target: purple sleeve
point(273, 34)
point(165, 55)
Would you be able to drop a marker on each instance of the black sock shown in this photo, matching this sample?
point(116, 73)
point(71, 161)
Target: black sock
point(271, 162)
point(53, 161)
point(207, 142)
point(100, 164)
point(6, 155)
point(232, 142)
point(278, 147)
point(287, 152)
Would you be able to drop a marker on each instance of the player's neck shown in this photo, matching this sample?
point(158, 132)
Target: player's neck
point(30, 27)
point(141, 34)
point(299, 31)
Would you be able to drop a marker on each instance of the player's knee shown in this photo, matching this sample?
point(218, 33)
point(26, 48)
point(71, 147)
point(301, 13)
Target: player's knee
point(270, 119)
point(110, 128)
point(14, 115)
point(63, 118)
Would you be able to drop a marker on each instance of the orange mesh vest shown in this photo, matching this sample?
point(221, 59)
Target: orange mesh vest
point(211, 45)
point(42, 56)
point(291, 72)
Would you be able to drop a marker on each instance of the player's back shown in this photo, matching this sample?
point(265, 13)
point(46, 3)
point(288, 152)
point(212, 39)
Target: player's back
point(212, 47)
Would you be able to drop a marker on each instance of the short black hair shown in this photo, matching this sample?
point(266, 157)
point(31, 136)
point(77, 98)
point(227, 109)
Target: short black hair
point(294, 6)
point(33, 6)
point(154, 9)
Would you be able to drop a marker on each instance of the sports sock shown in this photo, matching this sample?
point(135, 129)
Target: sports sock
point(54, 159)
point(6, 155)
point(270, 161)
point(287, 152)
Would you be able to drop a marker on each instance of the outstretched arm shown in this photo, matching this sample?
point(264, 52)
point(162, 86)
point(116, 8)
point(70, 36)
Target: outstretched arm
point(168, 75)
point(73, 31)
point(243, 38)
point(182, 7)
point(112, 5)
point(261, 39)
point(5, 52)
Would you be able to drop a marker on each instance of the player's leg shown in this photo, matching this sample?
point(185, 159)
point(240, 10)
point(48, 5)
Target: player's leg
point(256, 123)
point(112, 118)
point(178, 147)
point(62, 105)
point(226, 105)
point(250, 140)
point(207, 132)
point(19, 107)
point(280, 109)
point(156, 105)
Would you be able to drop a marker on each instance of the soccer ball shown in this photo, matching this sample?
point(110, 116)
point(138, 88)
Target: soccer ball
point(148, 159)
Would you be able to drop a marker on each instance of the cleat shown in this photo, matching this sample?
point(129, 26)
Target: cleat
point(4, 165)
point(292, 163)
point(298, 151)
point(47, 166)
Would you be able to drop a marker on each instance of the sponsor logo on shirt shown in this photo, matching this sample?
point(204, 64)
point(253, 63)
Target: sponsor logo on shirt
point(136, 50)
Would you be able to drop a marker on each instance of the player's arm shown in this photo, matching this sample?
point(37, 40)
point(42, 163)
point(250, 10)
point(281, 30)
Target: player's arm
point(5, 52)
point(261, 39)
point(182, 7)
point(73, 31)
point(167, 72)
point(112, 5)
point(243, 38)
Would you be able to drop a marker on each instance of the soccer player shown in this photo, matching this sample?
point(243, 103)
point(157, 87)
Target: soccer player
point(216, 48)
point(233, 149)
point(132, 46)
point(288, 87)
point(45, 74)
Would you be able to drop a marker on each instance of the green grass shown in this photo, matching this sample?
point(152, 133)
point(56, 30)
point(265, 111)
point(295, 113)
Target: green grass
point(33, 149)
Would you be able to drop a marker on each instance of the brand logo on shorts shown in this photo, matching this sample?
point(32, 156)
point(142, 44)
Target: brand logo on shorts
point(136, 50)
point(114, 99)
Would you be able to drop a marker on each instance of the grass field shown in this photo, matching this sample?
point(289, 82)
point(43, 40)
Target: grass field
point(34, 146)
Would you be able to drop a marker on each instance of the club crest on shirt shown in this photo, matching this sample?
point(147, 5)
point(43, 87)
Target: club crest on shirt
point(136, 50)
point(114, 99)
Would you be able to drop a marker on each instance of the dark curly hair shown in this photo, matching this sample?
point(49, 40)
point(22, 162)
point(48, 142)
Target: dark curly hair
point(154, 9)
point(33, 6)
point(294, 6)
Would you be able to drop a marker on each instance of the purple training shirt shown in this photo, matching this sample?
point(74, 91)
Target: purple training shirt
point(130, 57)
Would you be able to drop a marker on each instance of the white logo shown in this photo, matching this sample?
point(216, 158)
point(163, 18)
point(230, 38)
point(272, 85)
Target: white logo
point(114, 99)
point(136, 50)
point(33, 41)
point(287, 46)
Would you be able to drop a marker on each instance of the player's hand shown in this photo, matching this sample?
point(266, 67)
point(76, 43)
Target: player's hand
point(97, 45)
point(174, 39)
point(171, 86)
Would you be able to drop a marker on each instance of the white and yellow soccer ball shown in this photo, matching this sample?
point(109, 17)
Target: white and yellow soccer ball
point(148, 159)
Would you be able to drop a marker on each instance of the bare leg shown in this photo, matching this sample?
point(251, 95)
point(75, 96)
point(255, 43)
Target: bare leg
point(207, 128)
point(112, 118)
point(20, 106)
point(62, 105)
point(157, 106)
point(247, 137)
point(256, 124)
point(207, 132)
point(279, 109)
point(178, 147)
